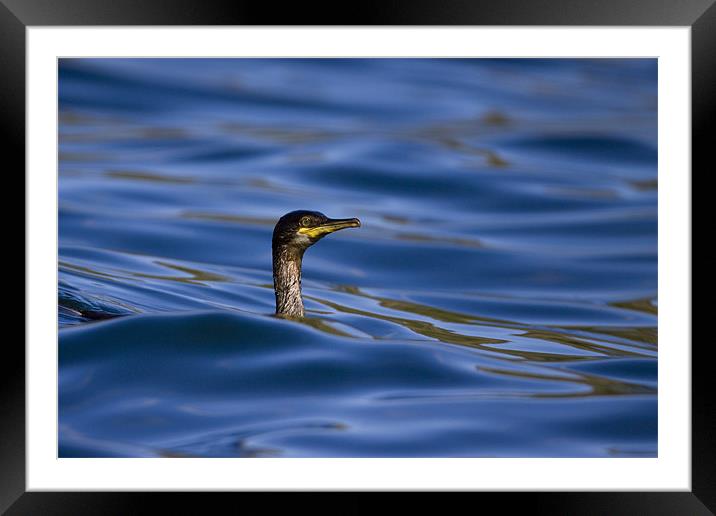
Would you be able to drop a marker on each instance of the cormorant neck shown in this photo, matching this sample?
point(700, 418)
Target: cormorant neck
point(287, 280)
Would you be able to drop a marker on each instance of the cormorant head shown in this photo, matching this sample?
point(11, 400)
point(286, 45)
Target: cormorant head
point(298, 230)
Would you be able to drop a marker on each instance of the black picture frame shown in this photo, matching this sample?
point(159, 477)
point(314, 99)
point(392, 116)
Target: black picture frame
point(17, 15)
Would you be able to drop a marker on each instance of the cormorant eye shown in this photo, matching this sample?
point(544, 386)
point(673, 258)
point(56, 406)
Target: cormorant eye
point(306, 221)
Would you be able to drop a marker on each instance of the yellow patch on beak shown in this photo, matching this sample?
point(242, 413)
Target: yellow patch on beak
point(329, 227)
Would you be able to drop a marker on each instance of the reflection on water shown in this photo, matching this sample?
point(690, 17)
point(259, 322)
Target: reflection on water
point(504, 278)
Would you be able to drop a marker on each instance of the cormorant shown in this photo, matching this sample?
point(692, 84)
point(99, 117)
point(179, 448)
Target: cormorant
point(293, 234)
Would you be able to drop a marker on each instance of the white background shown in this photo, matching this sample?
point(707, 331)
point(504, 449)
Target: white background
point(671, 470)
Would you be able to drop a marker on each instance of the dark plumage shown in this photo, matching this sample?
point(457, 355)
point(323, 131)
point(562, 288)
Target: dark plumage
point(293, 234)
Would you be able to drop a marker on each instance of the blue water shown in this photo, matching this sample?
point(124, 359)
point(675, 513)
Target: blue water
point(500, 299)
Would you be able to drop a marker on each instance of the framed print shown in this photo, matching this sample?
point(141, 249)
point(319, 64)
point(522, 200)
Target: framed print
point(505, 304)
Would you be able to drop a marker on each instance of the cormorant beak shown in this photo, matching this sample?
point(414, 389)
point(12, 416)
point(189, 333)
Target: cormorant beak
point(329, 226)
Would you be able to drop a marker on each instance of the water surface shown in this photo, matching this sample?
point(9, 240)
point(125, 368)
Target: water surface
point(500, 299)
